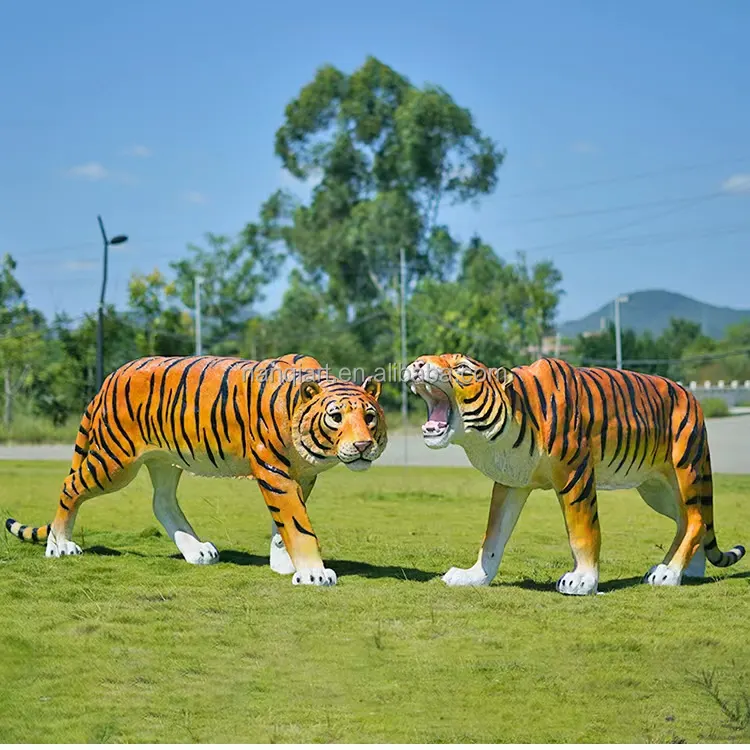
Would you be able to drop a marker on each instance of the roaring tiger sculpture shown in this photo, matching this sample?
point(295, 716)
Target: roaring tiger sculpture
point(281, 422)
point(575, 430)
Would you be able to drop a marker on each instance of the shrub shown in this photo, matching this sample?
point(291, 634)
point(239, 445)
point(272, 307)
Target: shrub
point(715, 407)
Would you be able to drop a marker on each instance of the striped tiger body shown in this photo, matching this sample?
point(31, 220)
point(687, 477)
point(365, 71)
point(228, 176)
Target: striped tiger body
point(280, 422)
point(575, 430)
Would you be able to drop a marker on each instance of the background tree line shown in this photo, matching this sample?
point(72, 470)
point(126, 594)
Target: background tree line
point(383, 156)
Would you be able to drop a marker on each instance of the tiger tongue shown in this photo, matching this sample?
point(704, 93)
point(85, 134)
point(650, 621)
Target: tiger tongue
point(438, 411)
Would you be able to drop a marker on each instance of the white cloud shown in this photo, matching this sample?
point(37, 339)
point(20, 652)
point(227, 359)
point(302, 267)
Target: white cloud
point(92, 170)
point(140, 151)
point(737, 183)
point(584, 147)
point(80, 265)
point(193, 196)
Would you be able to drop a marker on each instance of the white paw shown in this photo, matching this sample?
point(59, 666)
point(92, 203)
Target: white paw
point(203, 553)
point(466, 577)
point(662, 575)
point(61, 548)
point(578, 583)
point(314, 577)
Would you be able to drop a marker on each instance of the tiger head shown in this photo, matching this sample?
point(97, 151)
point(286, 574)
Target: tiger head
point(340, 421)
point(461, 395)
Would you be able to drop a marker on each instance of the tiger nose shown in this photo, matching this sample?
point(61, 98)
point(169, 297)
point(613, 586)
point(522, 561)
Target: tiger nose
point(362, 445)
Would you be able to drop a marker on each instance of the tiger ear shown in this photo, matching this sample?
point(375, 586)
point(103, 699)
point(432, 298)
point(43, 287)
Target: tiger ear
point(372, 387)
point(308, 390)
point(505, 376)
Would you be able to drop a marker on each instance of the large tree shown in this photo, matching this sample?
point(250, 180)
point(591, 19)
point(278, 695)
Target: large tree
point(385, 155)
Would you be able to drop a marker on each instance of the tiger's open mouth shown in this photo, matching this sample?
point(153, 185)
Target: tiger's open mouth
point(439, 409)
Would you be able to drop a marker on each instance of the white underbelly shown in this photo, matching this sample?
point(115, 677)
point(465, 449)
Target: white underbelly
point(607, 479)
point(201, 465)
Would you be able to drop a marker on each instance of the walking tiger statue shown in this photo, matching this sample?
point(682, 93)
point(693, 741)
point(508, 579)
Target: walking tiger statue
point(281, 422)
point(575, 430)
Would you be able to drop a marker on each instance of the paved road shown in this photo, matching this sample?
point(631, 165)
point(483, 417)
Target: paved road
point(729, 439)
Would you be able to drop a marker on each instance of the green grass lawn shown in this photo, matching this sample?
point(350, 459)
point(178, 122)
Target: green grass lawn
point(129, 643)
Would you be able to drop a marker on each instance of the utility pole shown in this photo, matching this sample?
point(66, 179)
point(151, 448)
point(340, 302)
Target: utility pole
point(404, 389)
point(117, 240)
point(618, 336)
point(198, 341)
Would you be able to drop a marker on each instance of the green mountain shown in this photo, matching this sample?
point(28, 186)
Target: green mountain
point(651, 311)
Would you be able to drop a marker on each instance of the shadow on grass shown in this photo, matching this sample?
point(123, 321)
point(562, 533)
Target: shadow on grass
point(342, 567)
point(620, 583)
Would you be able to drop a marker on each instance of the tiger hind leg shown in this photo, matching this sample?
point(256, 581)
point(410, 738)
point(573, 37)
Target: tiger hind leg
point(678, 497)
point(165, 478)
point(93, 474)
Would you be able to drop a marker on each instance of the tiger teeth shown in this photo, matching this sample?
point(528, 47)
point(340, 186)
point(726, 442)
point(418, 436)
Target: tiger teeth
point(413, 389)
point(428, 388)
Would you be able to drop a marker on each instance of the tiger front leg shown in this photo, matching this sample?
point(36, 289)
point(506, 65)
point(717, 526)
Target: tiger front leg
point(505, 508)
point(286, 501)
point(279, 558)
point(577, 496)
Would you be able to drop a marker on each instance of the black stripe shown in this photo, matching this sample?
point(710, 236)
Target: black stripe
point(83, 481)
point(238, 417)
point(96, 455)
point(273, 509)
point(284, 460)
point(197, 404)
point(140, 424)
point(182, 388)
point(684, 419)
point(35, 535)
point(312, 452)
point(552, 371)
point(208, 449)
point(526, 402)
point(269, 487)
point(586, 491)
point(63, 506)
point(605, 414)
point(574, 479)
point(78, 450)
point(553, 424)
point(91, 468)
point(127, 401)
point(688, 449)
point(268, 467)
point(147, 410)
point(118, 424)
point(105, 446)
point(540, 396)
point(302, 529)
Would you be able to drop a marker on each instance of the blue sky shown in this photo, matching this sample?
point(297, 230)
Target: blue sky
point(161, 116)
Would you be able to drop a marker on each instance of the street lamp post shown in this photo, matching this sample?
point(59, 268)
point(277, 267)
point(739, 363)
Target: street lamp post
point(618, 337)
point(117, 240)
point(198, 338)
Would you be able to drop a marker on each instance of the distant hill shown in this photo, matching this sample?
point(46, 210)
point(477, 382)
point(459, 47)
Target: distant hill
point(651, 311)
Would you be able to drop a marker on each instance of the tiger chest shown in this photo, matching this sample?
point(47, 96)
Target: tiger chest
point(499, 461)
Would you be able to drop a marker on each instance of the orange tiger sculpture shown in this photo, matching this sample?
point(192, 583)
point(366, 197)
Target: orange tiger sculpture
point(575, 430)
point(281, 422)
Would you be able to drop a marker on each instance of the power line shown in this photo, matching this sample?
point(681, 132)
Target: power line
point(634, 222)
point(683, 361)
point(627, 178)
